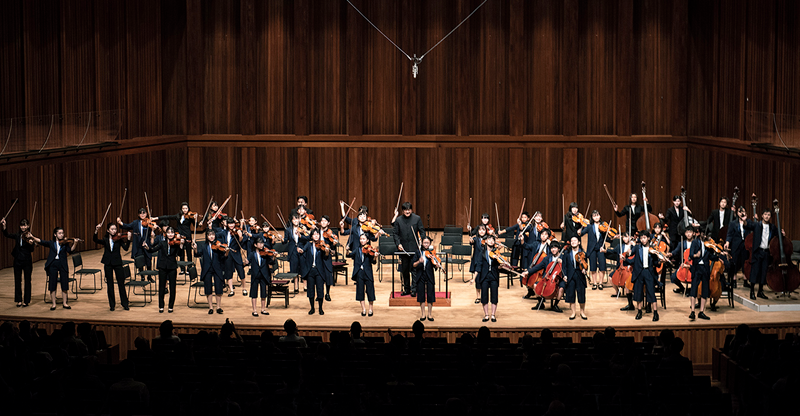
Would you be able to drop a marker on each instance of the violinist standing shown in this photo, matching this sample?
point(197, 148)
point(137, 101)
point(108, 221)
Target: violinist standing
point(236, 242)
point(363, 259)
point(355, 231)
point(644, 264)
point(575, 278)
point(294, 240)
point(23, 260)
point(737, 232)
point(763, 233)
point(168, 249)
point(614, 251)
point(425, 281)
point(185, 219)
point(302, 200)
point(673, 219)
point(477, 248)
point(569, 227)
point(211, 269)
point(597, 259)
point(141, 234)
point(489, 278)
point(632, 212)
point(408, 230)
point(324, 222)
point(316, 267)
point(112, 262)
point(484, 222)
point(519, 238)
point(701, 273)
point(56, 265)
point(260, 274)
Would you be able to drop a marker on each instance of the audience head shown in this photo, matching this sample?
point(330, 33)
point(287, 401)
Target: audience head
point(290, 327)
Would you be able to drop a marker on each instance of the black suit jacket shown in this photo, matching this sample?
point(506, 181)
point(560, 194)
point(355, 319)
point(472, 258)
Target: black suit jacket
point(264, 271)
point(713, 225)
point(167, 254)
point(309, 258)
point(734, 237)
point(183, 226)
point(63, 252)
point(406, 228)
point(22, 250)
point(111, 257)
point(637, 262)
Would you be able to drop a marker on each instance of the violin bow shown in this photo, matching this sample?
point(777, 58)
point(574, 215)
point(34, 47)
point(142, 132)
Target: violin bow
point(522, 208)
point(122, 206)
point(280, 217)
point(12, 207)
point(587, 210)
point(350, 208)
point(400, 195)
point(33, 215)
point(216, 214)
point(469, 214)
point(609, 195)
point(236, 207)
point(267, 221)
point(147, 204)
point(497, 215)
point(205, 215)
point(106, 214)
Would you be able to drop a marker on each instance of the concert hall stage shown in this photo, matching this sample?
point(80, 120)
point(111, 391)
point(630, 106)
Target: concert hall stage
point(514, 315)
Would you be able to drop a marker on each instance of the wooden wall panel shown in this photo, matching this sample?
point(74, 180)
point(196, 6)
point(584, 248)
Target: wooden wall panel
point(77, 57)
point(174, 80)
point(376, 71)
point(436, 83)
point(144, 94)
point(111, 59)
point(222, 101)
point(326, 69)
point(273, 91)
point(702, 67)
point(596, 74)
point(543, 35)
point(730, 78)
point(12, 100)
point(42, 25)
point(787, 84)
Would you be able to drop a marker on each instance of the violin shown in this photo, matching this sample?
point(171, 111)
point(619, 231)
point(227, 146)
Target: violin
point(495, 254)
point(330, 236)
point(489, 229)
point(119, 236)
point(710, 244)
point(430, 253)
point(659, 248)
point(308, 222)
point(782, 276)
point(190, 215)
point(68, 240)
point(605, 228)
point(368, 250)
point(218, 245)
point(372, 228)
point(580, 219)
point(320, 245)
point(582, 261)
point(177, 240)
point(541, 226)
point(267, 252)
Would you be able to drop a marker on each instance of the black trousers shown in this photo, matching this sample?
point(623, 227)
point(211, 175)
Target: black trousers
point(185, 255)
point(20, 270)
point(230, 266)
point(53, 274)
point(516, 253)
point(405, 272)
point(316, 285)
point(165, 276)
point(111, 272)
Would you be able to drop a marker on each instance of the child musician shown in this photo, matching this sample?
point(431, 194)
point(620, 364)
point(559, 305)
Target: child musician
point(570, 227)
point(211, 274)
point(315, 269)
point(544, 266)
point(477, 246)
point(701, 273)
point(112, 262)
point(141, 233)
point(489, 278)
point(644, 264)
point(426, 282)
point(260, 274)
point(737, 232)
point(185, 221)
point(484, 222)
point(56, 265)
point(519, 237)
point(614, 251)
point(363, 259)
point(597, 259)
point(324, 223)
point(167, 264)
point(538, 250)
point(574, 277)
point(294, 240)
point(236, 242)
point(763, 233)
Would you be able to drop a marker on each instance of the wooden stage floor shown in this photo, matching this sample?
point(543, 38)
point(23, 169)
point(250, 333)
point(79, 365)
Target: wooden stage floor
point(514, 313)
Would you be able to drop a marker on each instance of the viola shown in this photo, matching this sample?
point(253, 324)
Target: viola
point(541, 226)
point(308, 222)
point(368, 250)
point(578, 218)
point(782, 276)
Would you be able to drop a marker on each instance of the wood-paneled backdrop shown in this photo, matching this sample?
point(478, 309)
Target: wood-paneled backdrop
point(536, 67)
point(274, 99)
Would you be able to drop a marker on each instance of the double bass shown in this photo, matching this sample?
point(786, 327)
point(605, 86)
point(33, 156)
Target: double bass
point(748, 242)
point(782, 276)
point(548, 285)
point(645, 221)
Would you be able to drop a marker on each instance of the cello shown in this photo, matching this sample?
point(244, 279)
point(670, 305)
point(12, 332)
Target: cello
point(531, 280)
point(684, 273)
point(714, 280)
point(748, 242)
point(644, 222)
point(548, 285)
point(623, 272)
point(783, 276)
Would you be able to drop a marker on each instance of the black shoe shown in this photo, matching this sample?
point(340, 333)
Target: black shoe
point(166, 291)
point(555, 308)
point(413, 294)
point(404, 293)
point(370, 313)
point(752, 294)
point(713, 308)
point(584, 317)
point(25, 305)
point(111, 308)
point(594, 287)
point(210, 311)
point(678, 290)
point(422, 319)
point(639, 314)
point(477, 300)
point(160, 310)
point(538, 305)
point(264, 312)
point(572, 317)
point(430, 318)
point(485, 318)
point(702, 315)
point(648, 309)
point(600, 287)
point(527, 296)
point(627, 308)
point(126, 307)
point(363, 313)
point(311, 312)
point(747, 284)
point(655, 316)
point(66, 306)
point(762, 295)
point(52, 308)
point(231, 293)
point(169, 310)
point(219, 310)
point(328, 297)
point(493, 319)
point(691, 316)
point(255, 314)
